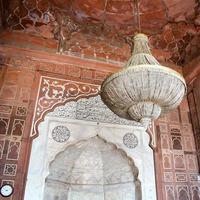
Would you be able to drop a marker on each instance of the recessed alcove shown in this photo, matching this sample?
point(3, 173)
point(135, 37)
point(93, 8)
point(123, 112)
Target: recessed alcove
point(92, 169)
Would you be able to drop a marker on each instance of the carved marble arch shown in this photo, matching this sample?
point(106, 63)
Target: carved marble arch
point(92, 169)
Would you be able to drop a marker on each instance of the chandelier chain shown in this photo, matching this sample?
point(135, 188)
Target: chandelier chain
point(137, 14)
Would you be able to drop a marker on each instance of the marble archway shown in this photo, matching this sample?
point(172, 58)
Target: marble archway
point(80, 121)
point(92, 169)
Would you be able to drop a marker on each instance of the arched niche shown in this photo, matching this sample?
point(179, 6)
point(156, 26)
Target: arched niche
point(92, 169)
point(85, 119)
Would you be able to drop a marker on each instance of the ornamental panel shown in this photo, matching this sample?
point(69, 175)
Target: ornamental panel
point(130, 140)
point(60, 134)
point(10, 170)
point(54, 92)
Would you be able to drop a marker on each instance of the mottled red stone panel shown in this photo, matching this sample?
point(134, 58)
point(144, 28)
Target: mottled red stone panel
point(14, 100)
point(176, 158)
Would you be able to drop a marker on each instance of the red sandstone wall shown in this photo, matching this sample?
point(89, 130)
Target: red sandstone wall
point(176, 163)
point(176, 160)
point(194, 103)
point(15, 92)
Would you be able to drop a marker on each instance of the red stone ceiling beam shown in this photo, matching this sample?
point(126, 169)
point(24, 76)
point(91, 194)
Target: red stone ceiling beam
point(37, 48)
point(99, 28)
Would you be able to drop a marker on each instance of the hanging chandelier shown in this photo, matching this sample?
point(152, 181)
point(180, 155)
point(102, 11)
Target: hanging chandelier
point(143, 89)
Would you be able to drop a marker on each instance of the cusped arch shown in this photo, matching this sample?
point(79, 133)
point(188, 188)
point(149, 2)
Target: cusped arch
point(92, 169)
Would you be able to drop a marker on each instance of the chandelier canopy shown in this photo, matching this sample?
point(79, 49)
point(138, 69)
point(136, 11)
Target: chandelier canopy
point(143, 89)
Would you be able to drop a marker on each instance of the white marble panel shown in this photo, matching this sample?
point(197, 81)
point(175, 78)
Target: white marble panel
point(45, 149)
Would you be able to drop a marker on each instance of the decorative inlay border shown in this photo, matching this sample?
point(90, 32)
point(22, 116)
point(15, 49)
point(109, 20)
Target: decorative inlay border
point(53, 92)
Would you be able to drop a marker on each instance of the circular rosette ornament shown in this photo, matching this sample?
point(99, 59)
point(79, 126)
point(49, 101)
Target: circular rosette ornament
point(60, 134)
point(143, 89)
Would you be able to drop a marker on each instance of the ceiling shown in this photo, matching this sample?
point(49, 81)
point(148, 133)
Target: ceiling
point(103, 28)
point(121, 13)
